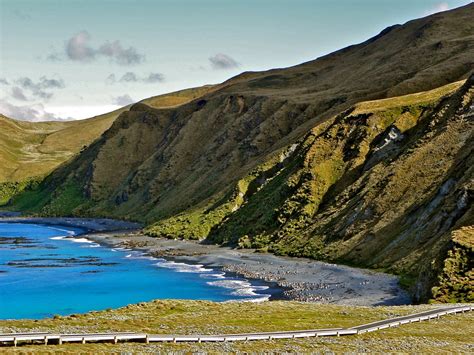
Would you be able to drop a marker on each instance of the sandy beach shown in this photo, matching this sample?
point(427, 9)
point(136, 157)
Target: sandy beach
point(291, 278)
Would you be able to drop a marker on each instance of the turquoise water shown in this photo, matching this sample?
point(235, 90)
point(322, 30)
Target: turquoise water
point(48, 270)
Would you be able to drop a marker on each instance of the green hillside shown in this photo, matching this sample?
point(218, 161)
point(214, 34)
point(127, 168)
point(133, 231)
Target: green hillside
point(31, 150)
point(363, 157)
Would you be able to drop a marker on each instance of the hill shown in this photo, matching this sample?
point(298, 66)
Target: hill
point(358, 157)
point(31, 150)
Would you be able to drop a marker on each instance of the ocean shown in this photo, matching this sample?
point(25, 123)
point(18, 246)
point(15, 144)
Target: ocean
point(50, 270)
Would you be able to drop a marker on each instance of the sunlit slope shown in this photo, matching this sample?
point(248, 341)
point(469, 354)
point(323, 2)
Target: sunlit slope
point(178, 98)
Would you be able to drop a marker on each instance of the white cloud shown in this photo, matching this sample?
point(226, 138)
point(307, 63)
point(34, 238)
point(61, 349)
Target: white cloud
point(38, 88)
point(46, 83)
point(53, 57)
point(131, 77)
point(18, 94)
point(111, 79)
point(79, 49)
point(123, 100)
point(123, 56)
point(223, 61)
point(154, 78)
point(442, 6)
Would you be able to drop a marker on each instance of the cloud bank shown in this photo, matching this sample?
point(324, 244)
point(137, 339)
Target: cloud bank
point(36, 89)
point(123, 100)
point(223, 61)
point(439, 7)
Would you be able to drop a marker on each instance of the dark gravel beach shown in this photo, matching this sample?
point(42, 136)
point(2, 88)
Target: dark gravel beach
point(301, 279)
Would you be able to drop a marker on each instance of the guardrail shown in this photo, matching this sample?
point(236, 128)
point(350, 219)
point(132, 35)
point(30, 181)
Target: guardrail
point(115, 337)
point(418, 317)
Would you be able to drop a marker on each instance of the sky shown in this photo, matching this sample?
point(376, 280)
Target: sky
point(73, 59)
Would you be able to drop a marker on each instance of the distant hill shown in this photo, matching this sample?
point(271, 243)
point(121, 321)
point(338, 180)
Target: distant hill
point(31, 150)
point(363, 156)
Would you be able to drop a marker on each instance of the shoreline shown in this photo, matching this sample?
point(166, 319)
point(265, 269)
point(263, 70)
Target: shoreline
point(299, 279)
point(288, 278)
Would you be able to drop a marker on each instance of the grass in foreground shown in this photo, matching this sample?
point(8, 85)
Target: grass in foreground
point(451, 333)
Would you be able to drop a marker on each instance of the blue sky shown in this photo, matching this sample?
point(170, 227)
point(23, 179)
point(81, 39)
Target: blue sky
point(76, 58)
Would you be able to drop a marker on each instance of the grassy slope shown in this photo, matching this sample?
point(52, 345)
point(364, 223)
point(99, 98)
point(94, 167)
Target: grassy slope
point(340, 196)
point(384, 113)
point(456, 279)
point(178, 98)
point(189, 154)
point(268, 159)
point(31, 150)
point(188, 317)
point(346, 199)
point(197, 223)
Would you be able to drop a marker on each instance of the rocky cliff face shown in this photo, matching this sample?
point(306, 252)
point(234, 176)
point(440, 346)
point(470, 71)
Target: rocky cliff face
point(297, 161)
